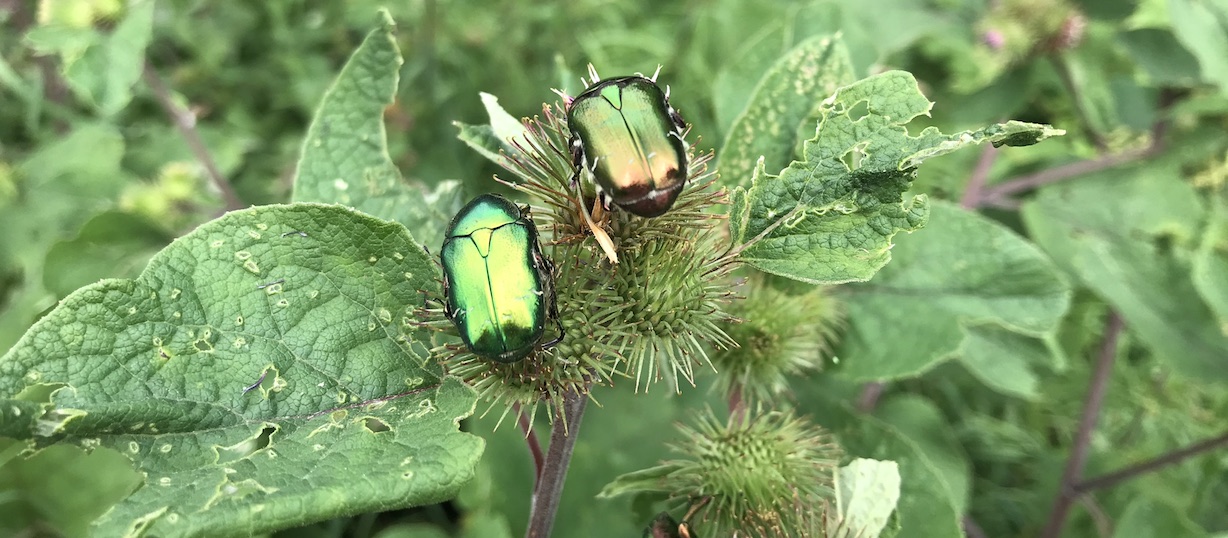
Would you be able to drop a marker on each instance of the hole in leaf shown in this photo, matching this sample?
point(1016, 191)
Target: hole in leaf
point(266, 436)
point(246, 447)
point(859, 110)
point(375, 425)
point(39, 392)
point(852, 158)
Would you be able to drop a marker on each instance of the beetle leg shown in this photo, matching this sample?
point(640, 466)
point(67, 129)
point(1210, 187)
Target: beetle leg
point(577, 160)
point(678, 121)
point(605, 201)
point(557, 339)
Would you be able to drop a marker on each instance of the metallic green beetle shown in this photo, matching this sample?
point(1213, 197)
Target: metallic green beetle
point(624, 131)
point(498, 287)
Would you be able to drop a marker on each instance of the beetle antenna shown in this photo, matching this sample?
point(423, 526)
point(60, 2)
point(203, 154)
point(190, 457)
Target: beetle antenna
point(654, 79)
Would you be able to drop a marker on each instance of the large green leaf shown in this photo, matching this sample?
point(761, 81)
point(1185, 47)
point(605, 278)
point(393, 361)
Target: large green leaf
point(1202, 26)
point(1151, 518)
point(830, 217)
point(263, 371)
point(62, 487)
point(345, 153)
point(1004, 359)
point(112, 244)
point(1128, 235)
point(962, 271)
point(786, 98)
point(922, 423)
point(60, 186)
point(1211, 261)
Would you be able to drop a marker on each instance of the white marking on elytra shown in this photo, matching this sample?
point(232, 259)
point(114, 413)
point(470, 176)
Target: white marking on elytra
point(217, 243)
point(253, 234)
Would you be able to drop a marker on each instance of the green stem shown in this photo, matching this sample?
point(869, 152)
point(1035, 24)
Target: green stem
point(549, 489)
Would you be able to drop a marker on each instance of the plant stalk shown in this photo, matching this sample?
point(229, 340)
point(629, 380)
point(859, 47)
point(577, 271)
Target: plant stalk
point(1066, 494)
point(1176, 456)
point(549, 489)
point(185, 122)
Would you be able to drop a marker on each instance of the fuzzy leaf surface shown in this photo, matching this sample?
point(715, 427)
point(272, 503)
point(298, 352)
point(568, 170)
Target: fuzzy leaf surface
point(345, 154)
point(830, 217)
point(963, 270)
point(252, 372)
point(787, 97)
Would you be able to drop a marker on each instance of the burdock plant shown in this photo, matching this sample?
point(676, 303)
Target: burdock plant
point(262, 358)
point(639, 298)
point(652, 299)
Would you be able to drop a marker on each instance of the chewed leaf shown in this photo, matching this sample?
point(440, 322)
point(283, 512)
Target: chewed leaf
point(786, 97)
point(829, 218)
point(248, 372)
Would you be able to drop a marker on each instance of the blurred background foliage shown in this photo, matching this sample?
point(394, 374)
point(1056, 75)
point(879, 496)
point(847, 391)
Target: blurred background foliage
point(95, 177)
